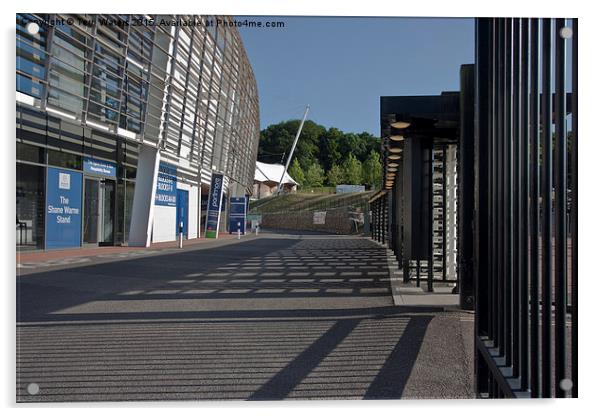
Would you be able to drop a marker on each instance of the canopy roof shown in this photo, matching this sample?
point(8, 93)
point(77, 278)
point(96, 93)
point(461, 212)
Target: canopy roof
point(265, 172)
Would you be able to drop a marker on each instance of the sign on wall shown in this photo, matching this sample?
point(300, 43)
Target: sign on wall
point(238, 214)
point(343, 189)
point(254, 217)
point(166, 185)
point(63, 208)
point(214, 205)
point(100, 167)
point(320, 217)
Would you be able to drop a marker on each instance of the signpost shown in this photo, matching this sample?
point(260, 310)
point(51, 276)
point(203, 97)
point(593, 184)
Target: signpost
point(63, 208)
point(238, 214)
point(214, 205)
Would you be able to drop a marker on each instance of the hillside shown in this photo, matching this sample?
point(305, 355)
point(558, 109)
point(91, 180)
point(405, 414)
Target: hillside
point(309, 202)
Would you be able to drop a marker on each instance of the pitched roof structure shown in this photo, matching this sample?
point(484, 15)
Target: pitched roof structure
point(265, 172)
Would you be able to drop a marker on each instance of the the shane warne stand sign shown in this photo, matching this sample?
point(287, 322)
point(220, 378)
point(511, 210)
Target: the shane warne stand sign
point(63, 208)
point(214, 205)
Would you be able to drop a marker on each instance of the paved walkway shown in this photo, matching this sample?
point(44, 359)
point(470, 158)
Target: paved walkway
point(37, 260)
point(275, 317)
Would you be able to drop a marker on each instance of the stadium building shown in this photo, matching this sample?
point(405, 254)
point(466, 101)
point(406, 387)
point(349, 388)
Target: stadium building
point(121, 122)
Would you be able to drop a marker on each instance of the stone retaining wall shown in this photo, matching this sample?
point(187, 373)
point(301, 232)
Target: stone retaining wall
point(337, 221)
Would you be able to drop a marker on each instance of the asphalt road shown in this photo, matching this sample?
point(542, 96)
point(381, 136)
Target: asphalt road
point(276, 317)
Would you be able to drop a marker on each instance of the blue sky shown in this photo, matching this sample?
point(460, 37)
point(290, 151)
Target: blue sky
point(340, 66)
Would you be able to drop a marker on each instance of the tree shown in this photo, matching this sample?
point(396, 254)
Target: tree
point(296, 172)
point(314, 175)
point(371, 143)
point(275, 142)
point(353, 170)
point(336, 175)
point(372, 169)
point(329, 148)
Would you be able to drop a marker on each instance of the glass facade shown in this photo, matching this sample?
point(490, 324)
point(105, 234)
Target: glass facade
point(103, 85)
point(30, 206)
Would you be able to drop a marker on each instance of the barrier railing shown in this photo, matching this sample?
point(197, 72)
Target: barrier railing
point(525, 196)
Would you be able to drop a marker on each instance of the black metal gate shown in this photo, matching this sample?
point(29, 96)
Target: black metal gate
point(525, 225)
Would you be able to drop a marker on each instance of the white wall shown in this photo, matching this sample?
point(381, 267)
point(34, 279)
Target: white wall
point(193, 212)
point(143, 208)
point(164, 224)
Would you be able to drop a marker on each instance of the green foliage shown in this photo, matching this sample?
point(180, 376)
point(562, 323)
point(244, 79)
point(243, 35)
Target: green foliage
point(314, 176)
point(277, 139)
point(336, 175)
point(353, 170)
point(372, 170)
point(296, 172)
point(329, 147)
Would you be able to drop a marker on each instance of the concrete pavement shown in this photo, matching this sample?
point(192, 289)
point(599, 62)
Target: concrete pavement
point(276, 317)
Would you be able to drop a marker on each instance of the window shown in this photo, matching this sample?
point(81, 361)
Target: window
point(31, 58)
point(30, 153)
point(31, 200)
point(64, 160)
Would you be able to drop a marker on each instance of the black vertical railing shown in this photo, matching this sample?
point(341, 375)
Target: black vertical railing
point(514, 176)
point(380, 219)
point(523, 217)
point(498, 174)
point(483, 195)
point(508, 193)
point(526, 198)
point(534, 208)
point(390, 216)
point(431, 220)
point(560, 211)
point(574, 222)
point(546, 199)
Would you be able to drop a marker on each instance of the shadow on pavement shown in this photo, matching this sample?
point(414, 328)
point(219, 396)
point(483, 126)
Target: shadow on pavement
point(265, 319)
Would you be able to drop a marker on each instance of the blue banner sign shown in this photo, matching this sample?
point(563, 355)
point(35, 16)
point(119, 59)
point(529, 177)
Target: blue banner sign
point(63, 208)
point(214, 205)
point(100, 167)
point(238, 214)
point(204, 200)
point(166, 192)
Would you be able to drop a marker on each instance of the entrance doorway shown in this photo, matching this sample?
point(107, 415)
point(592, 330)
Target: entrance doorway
point(182, 212)
point(99, 212)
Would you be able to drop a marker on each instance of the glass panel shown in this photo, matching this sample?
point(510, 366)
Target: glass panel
point(91, 211)
point(105, 60)
point(30, 153)
point(31, 57)
point(30, 206)
point(64, 160)
point(67, 86)
point(102, 113)
point(106, 90)
point(129, 202)
point(30, 60)
point(108, 203)
point(120, 214)
point(72, 32)
point(67, 77)
point(140, 44)
point(29, 86)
